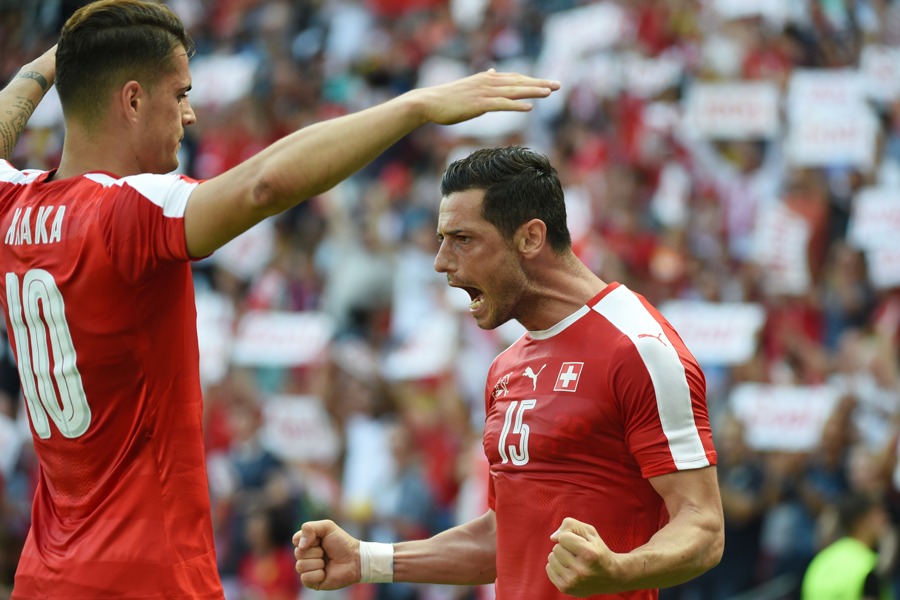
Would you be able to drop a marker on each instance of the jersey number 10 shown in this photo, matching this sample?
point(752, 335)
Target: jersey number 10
point(54, 388)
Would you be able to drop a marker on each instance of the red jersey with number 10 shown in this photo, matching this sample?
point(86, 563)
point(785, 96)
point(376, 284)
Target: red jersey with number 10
point(99, 300)
point(578, 418)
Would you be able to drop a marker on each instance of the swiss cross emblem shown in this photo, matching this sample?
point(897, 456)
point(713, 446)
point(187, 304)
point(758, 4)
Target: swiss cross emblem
point(567, 380)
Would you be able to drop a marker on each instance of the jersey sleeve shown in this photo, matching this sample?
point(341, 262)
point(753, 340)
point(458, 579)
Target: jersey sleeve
point(661, 394)
point(145, 224)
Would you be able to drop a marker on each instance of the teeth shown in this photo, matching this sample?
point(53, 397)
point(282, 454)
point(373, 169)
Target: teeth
point(476, 303)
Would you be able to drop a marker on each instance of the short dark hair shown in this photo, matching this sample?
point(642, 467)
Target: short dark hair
point(519, 185)
point(107, 43)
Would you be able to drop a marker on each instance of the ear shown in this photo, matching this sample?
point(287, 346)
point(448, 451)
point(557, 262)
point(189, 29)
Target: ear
point(530, 238)
point(130, 99)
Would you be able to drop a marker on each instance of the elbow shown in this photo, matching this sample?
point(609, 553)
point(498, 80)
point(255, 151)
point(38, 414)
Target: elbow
point(273, 191)
point(265, 197)
point(713, 557)
point(712, 554)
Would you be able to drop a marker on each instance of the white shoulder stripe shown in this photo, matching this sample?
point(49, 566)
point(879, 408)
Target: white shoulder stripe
point(10, 174)
point(101, 178)
point(169, 192)
point(673, 396)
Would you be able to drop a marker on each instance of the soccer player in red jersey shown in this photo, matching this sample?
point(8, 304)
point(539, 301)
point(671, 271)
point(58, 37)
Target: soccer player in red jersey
point(602, 466)
point(97, 288)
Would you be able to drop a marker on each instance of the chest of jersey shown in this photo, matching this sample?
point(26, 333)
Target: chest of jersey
point(552, 412)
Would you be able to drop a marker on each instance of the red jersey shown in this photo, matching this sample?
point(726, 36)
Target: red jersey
point(578, 418)
point(100, 307)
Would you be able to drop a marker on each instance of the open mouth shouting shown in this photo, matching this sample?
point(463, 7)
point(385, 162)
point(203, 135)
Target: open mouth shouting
point(476, 298)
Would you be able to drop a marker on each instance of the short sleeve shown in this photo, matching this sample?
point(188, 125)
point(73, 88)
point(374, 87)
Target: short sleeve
point(144, 227)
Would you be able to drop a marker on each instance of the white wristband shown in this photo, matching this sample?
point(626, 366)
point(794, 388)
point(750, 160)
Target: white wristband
point(376, 562)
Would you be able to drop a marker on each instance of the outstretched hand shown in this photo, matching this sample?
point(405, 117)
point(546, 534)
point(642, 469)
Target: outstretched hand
point(581, 564)
point(327, 556)
point(484, 92)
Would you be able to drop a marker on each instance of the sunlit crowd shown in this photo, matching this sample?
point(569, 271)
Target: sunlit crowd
point(738, 158)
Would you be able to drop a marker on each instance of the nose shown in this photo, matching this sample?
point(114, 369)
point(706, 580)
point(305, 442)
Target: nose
point(188, 117)
point(442, 259)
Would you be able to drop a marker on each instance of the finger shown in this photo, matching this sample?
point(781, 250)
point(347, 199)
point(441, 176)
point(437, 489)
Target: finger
point(560, 558)
point(310, 565)
point(507, 105)
point(573, 542)
point(567, 525)
point(313, 579)
point(314, 552)
point(550, 84)
point(310, 532)
point(517, 92)
point(522, 79)
point(517, 79)
point(585, 530)
point(555, 577)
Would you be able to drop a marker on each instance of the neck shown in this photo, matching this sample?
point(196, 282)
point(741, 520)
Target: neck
point(86, 150)
point(561, 285)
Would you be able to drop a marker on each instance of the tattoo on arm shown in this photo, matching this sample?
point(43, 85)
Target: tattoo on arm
point(40, 79)
point(12, 124)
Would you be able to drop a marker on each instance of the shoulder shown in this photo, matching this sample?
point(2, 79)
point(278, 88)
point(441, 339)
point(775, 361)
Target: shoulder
point(10, 174)
point(170, 192)
point(628, 312)
point(635, 325)
point(148, 184)
point(638, 322)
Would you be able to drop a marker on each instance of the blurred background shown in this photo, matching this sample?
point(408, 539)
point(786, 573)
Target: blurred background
point(737, 162)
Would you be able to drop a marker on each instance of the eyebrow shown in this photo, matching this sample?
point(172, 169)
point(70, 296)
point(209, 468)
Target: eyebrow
point(450, 232)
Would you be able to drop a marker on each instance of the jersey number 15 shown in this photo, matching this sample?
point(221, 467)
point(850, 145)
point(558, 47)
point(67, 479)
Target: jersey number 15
point(514, 420)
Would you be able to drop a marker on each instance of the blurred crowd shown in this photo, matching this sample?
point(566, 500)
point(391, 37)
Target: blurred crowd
point(345, 380)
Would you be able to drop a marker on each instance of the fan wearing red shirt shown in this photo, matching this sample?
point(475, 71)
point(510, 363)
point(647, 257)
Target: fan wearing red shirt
point(602, 467)
point(97, 289)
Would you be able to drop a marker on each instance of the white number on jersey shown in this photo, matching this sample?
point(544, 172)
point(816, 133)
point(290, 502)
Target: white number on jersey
point(43, 331)
point(519, 454)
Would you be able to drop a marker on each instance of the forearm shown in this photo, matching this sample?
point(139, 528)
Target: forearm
point(318, 157)
point(21, 96)
point(689, 545)
point(302, 165)
point(462, 555)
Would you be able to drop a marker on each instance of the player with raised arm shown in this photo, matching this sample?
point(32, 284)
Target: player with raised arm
point(97, 287)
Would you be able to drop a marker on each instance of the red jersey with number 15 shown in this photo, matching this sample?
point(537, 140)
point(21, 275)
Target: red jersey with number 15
point(99, 300)
point(578, 418)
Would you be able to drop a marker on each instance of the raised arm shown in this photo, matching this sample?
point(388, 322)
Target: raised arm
point(316, 158)
point(21, 96)
point(328, 558)
point(691, 543)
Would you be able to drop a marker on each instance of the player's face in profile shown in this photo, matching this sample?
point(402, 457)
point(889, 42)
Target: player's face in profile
point(169, 112)
point(476, 258)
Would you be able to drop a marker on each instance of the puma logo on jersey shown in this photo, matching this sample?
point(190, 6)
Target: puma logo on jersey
point(31, 229)
point(658, 336)
point(533, 376)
